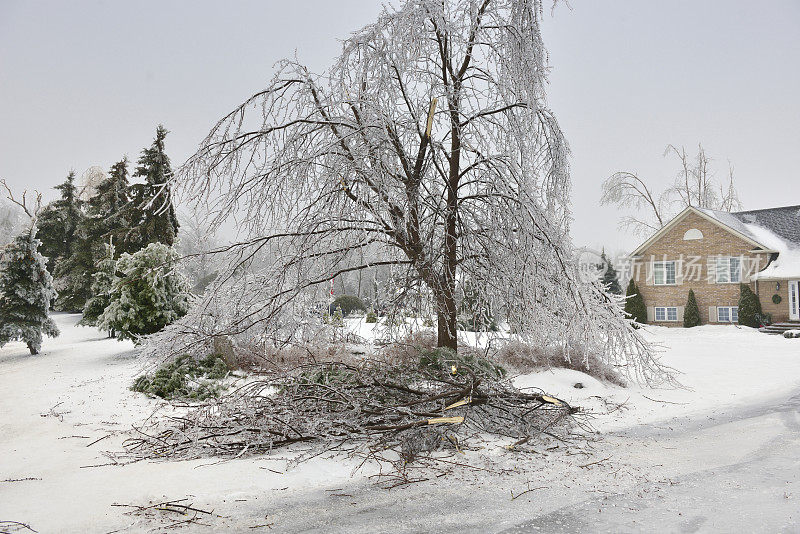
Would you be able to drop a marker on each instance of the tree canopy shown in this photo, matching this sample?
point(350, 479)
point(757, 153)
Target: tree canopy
point(430, 142)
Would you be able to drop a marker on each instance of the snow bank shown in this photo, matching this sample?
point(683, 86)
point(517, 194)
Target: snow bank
point(722, 368)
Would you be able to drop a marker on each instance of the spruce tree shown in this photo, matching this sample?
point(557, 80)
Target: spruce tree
point(634, 304)
point(58, 224)
point(103, 281)
point(153, 216)
point(691, 313)
point(109, 211)
point(149, 296)
point(610, 278)
point(26, 289)
point(749, 307)
point(62, 231)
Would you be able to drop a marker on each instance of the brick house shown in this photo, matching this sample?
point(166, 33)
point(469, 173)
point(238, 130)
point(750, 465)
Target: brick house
point(711, 252)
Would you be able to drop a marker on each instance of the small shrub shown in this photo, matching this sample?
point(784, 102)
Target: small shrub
point(634, 304)
point(348, 304)
point(185, 378)
point(427, 322)
point(691, 314)
point(371, 316)
point(338, 318)
point(749, 307)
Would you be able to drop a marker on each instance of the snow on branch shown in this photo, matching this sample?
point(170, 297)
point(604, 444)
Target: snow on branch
point(428, 145)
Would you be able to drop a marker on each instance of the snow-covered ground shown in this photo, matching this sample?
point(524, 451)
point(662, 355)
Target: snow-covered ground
point(721, 368)
point(654, 445)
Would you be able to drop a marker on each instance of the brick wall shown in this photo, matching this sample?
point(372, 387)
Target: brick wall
point(716, 241)
point(766, 289)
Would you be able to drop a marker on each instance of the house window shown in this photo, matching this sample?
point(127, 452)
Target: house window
point(728, 314)
point(664, 273)
point(729, 270)
point(669, 313)
point(692, 234)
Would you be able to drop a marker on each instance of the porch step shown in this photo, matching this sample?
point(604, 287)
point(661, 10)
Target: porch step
point(780, 328)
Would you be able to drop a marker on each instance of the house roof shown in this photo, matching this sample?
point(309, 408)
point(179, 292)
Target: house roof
point(721, 218)
point(771, 230)
point(783, 222)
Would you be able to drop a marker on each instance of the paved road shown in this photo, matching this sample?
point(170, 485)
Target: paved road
point(736, 472)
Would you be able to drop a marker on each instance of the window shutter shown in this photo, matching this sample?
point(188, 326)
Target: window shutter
point(648, 273)
point(678, 272)
point(744, 270)
point(651, 314)
point(712, 314)
point(680, 313)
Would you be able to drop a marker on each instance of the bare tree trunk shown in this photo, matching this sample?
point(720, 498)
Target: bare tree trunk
point(447, 311)
point(446, 334)
point(32, 349)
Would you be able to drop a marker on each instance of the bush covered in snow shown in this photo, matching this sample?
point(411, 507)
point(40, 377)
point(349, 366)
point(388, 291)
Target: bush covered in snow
point(26, 290)
point(149, 296)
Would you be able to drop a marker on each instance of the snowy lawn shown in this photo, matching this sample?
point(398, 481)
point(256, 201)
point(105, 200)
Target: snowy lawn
point(720, 366)
point(56, 406)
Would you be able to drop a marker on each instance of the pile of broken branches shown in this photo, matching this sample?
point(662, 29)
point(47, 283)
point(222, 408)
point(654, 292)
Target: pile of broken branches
point(406, 408)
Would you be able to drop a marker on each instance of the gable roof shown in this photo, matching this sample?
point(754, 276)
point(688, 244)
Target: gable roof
point(724, 219)
point(771, 230)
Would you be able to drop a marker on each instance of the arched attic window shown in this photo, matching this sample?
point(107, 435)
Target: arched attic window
point(692, 234)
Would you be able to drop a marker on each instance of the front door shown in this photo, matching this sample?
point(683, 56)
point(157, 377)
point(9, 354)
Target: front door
point(794, 300)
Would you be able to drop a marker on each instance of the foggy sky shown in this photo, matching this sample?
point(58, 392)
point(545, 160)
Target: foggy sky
point(85, 82)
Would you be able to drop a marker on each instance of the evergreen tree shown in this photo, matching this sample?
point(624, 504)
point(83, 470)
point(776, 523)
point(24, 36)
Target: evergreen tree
point(610, 278)
point(153, 216)
point(61, 227)
point(73, 277)
point(103, 281)
point(634, 304)
point(749, 307)
point(109, 210)
point(691, 313)
point(58, 224)
point(149, 296)
point(26, 289)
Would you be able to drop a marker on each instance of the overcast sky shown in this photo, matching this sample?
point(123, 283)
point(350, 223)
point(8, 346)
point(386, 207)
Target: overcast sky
point(85, 82)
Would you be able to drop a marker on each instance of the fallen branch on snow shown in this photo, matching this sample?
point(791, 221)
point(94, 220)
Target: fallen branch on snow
point(374, 407)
